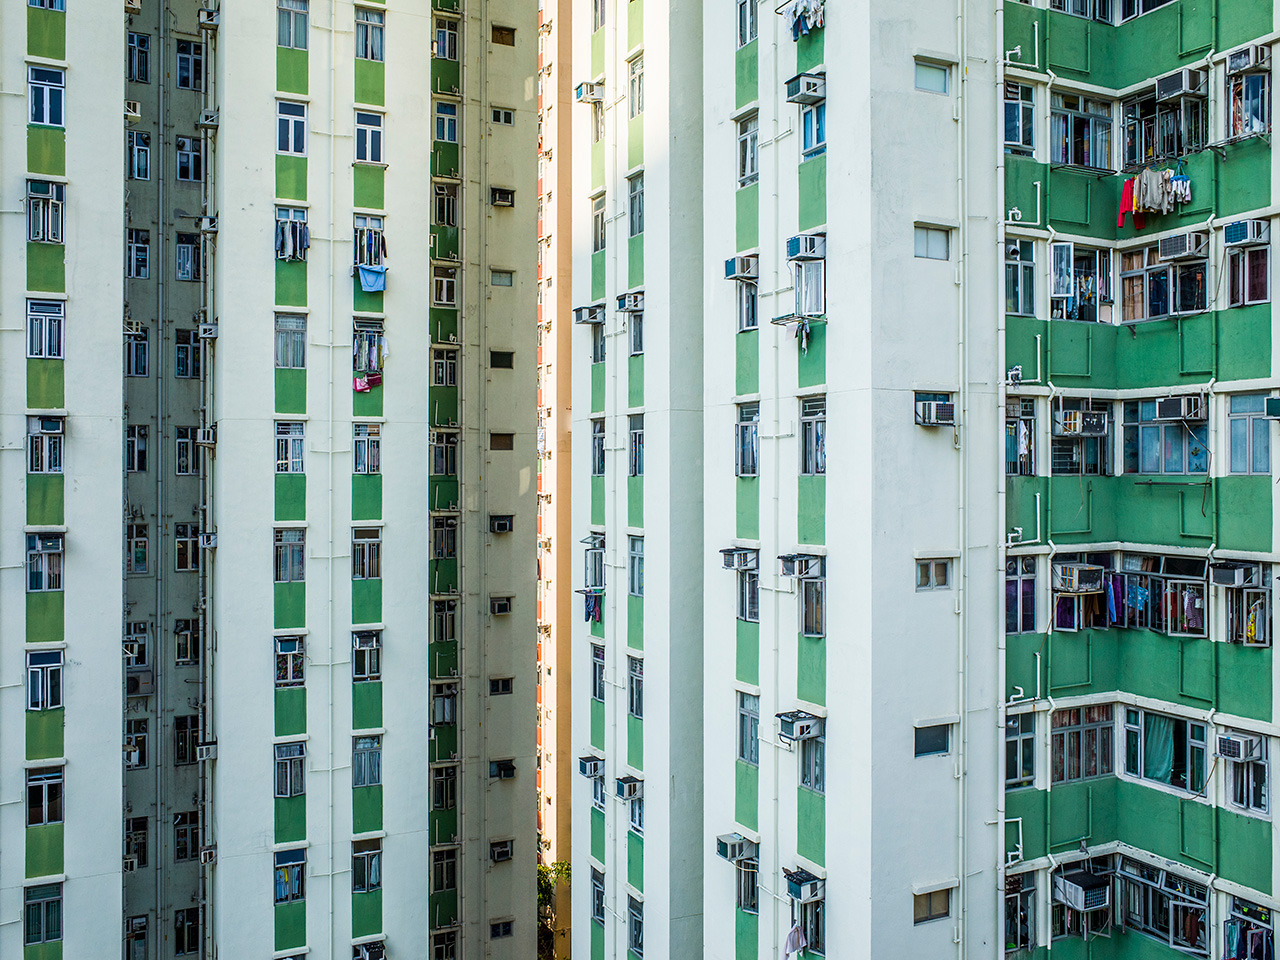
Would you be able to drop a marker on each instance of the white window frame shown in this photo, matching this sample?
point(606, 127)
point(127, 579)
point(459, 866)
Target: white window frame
point(46, 329)
point(291, 341)
point(366, 553)
point(635, 445)
point(186, 547)
point(444, 286)
point(44, 679)
point(366, 445)
point(139, 155)
point(47, 92)
point(1241, 263)
point(635, 204)
point(291, 445)
point(447, 39)
point(138, 259)
point(927, 240)
point(813, 126)
point(291, 128)
point(370, 34)
point(747, 440)
point(189, 74)
point(813, 436)
point(813, 764)
point(635, 566)
point(135, 448)
point(291, 661)
point(447, 117)
point(292, 23)
point(748, 22)
point(635, 687)
point(748, 144)
point(190, 159)
point(291, 769)
point(370, 136)
point(635, 86)
point(366, 760)
point(186, 252)
point(44, 450)
point(748, 305)
point(46, 211)
point(290, 555)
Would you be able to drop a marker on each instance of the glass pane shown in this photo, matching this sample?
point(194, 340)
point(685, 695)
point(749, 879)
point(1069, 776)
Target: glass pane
point(1239, 428)
point(1261, 445)
point(1173, 439)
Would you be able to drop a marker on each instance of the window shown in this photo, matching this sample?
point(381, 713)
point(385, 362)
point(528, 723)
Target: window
point(1019, 912)
point(635, 926)
point(444, 453)
point(42, 914)
point(366, 655)
point(1248, 778)
point(812, 920)
point(749, 728)
point(291, 127)
point(506, 36)
point(1019, 119)
point(135, 744)
point(135, 938)
point(44, 444)
point(444, 945)
point(444, 286)
point(1019, 750)
point(748, 142)
point(187, 351)
point(186, 737)
point(139, 69)
point(504, 116)
point(747, 26)
point(186, 546)
point(813, 606)
point(635, 445)
point(597, 14)
point(366, 553)
point(368, 137)
point(1164, 749)
point(46, 91)
point(932, 906)
point(933, 575)
point(446, 204)
point(291, 775)
point(813, 436)
point(597, 672)
point(1248, 276)
point(1079, 282)
point(139, 155)
point(138, 260)
point(366, 761)
point(933, 243)
point(48, 4)
point(186, 642)
point(290, 554)
point(501, 686)
point(748, 880)
point(46, 211)
point(503, 928)
point(502, 441)
point(446, 122)
point(748, 440)
point(813, 764)
point(44, 679)
point(597, 448)
point(135, 557)
point(748, 305)
point(1020, 277)
point(1152, 447)
point(1076, 455)
point(502, 359)
point(291, 342)
point(1020, 595)
point(444, 537)
point(186, 931)
point(635, 204)
point(813, 125)
point(366, 866)
point(597, 224)
point(1248, 104)
point(44, 795)
point(190, 158)
point(597, 889)
point(1099, 10)
point(597, 343)
point(749, 595)
point(502, 278)
point(369, 240)
point(187, 255)
point(290, 447)
point(136, 634)
point(290, 661)
point(446, 47)
point(290, 875)
point(368, 347)
point(292, 23)
point(444, 787)
point(367, 445)
point(635, 566)
point(1080, 131)
point(444, 703)
point(933, 740)
point(45, 328)
point(369, 29)
point(190, 65)
point(186, 836)
point(1081, 743)
point(1164, 906)
point(635, 86)
point(444, 869)
point(635, 687)
point(932, 77)
point(44, 562)
point(1020, 436)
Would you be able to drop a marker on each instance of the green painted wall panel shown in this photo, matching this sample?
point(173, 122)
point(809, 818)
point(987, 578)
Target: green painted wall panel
point(446, 76)
point(43, 951)
point(444, 908)
point(44, 850)
point(1244, 512)
point(812, 356)
point(362, 302)
point(635, 380)
point(810, 50)
point(811, 825)
point(291, 177)
point(291, 287)
point(635, 501)
point(366, 913)
point(291, 496)
point(445, 160)
point(1020, 663)
point(635, 860)
point(1245, 850)
point(46, 33)
point(444, 659)
point(812, 177)
point(46, 388)
point(371, 82)
point(444, 826)
point(445, 243)
point(596, 627)
point(290, 711)
point(747, 362)
point(597, 275)
point(443, 493)
point(635, 255)
point(444, 406)
point(635, 141)
point(812, 508)
point(445, 744)
point(45, 616)
point(366, 601)
point(291, 819)
point(635, 622)
point(444, 576)
point(597, 53)
point(366, 496)
point(366, 704)
point(748, 651)
point(597, 500)
point(47, 267)
point(635, 742)
point(291, 389)
point(746, 794)
point(291, 925)
point(369, 184)
point(597, 387)
point(597, 165)
point(366, 809)
point(597, 724)
point(44, 499)
point(291, 70)
point(1244, 680)
point(746, 935)
point(746, 73)
point(290, 605)
point(747, 216)
point(47, 150)
point(597, 835)
point(45, 733)
point(597, 941)
point(635, 23)
point(748, 508)
point(811, 670)
point(368, 403)
point(1244, 342)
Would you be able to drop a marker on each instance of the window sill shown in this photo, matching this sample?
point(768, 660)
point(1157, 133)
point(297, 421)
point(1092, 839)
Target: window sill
point(812, 154)
point(1080, 168)
point(369, 163)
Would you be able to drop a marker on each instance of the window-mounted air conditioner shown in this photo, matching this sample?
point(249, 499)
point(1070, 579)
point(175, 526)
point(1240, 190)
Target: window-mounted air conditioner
point(207, 224)
point(132, 6)
point(1238, 747)
point(590, 766)
point(1247, 233)
point(1080, 423)
point(208, 19)
point(44, 424)
point(208, 120)
point(208, 855)
point(630, 788)
point(1188, 82)
point(502, 523)
point(1191, 245)
point(502, 851)
point(936, 413)
point(631, 302)
point(1194, 408)
point(502, 769)
point(1271, 408)
point(803, 565)
point(132, 110)
point(1078, 578)
point(735, 847)
point(207, 436)
point(130, 864)
point(803, 886)
point(798, 725)
point(208, 541)
point(207, 751)
point(739, 558)
point(502, 197)
point(1254, 58)
point(742, 268)
point(139, 683)
point(1227, 574)
point(591, 314)
point(499, 606)
point(807, 88)
point(589, 92)
point(807, 246)
point(1082, 890)
point(208, 331)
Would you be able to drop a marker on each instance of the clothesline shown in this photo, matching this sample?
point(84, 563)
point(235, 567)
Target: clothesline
point(1152, 191)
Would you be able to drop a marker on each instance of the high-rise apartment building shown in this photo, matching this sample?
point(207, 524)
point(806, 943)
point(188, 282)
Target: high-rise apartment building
point(316, 420)
point(882, 232)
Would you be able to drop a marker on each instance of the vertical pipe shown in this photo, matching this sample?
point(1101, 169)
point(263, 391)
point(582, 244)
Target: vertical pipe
point(162, 223)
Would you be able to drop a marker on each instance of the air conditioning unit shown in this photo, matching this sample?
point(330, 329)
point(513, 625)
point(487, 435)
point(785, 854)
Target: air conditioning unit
point(207, 751)
point(735, 847)
point(591, 314)
point(208, 19)
point(132, 6)
point(742, 268)
point(207, 436)
point(1226, 574)
point(631, 302)
point(207, 224)
point(208, 120)
point(132, 327)
point(803, 886)
point(630, 788)
point(208, 855)
point(130, 864)
point(1080, 423)
point(1082, 890)
point(208, 331)
point(499, 606)
point(501, 852)
point(132, 110)
point(208, 541)
point(1192, 245)
point(589, 92)
point(798, 725)
point(502, 197)
point(1188, 82)
point(807, 246)
point(139, 683)
point(590, 766)
point(1078, 578)
point(738, 558)
point(1194, 408)
point(502, 523)
point(807, 88)
point(1237, 747)
point(1254, 58)
point(936, 413)
point(1247, 233)
point(803, 565)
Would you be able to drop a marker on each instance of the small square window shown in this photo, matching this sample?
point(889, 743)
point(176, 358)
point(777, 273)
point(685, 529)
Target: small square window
point(502, 441)
point(502, 278)
point(504, 116)
point(502, 359)
point(933, 740)
point(932, 906)
point(932, 77)
point(933, 574)
point(933, 243)
point(500, 686)
point(505, 36)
